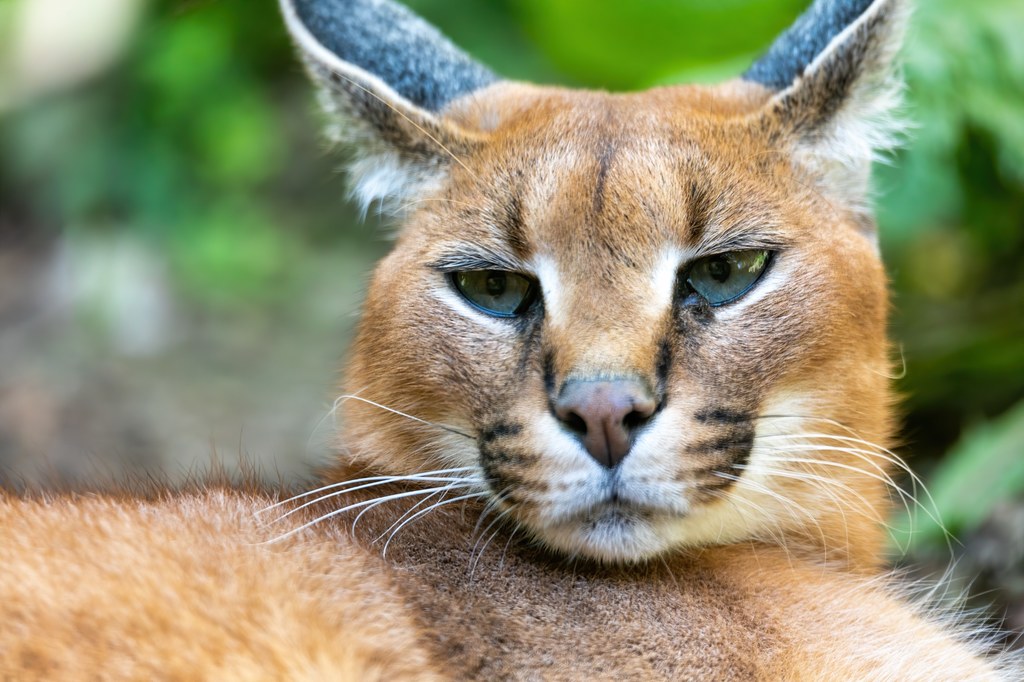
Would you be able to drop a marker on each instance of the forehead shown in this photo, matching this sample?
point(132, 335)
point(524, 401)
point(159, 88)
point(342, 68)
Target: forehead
point(574, 172)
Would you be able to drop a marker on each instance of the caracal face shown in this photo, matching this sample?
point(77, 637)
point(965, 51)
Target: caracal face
point(636, 322)
point(605, 202)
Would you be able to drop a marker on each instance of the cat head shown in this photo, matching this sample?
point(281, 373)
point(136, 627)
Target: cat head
point(639, 321)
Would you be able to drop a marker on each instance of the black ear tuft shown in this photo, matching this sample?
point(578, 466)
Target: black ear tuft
point(390, 42)
point(793, 51)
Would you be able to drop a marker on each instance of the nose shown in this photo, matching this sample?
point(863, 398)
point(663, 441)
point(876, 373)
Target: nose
point(604, 415)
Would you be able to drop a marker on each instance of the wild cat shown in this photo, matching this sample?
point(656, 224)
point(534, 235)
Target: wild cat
point(618, 406)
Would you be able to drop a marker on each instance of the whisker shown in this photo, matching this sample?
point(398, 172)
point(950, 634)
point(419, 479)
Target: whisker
point(905, 497)
point(429, 476)
point(476, 556)
point(412, 509)
point(416, 125)
point(761, 512)
point(797, 476)
point(877, 450)
point(446, 200)
point(882, 475)
point(457, 484)
point(443, 427)
point(882, 453)
point(787, 503)
point(376, 484)
point(437, 505)
point(827, 480)
point(508, 543)
point(490, 507)
point(356, 505)
point(380, 501)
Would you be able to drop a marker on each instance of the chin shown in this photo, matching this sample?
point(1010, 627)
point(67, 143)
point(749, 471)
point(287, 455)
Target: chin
point(613, 533)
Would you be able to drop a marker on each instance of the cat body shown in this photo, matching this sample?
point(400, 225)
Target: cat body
point(618, 406)
point(194, 586)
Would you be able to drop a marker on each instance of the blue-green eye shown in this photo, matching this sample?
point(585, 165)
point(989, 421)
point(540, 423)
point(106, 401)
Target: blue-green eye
point(724, 277)
point(496, 292)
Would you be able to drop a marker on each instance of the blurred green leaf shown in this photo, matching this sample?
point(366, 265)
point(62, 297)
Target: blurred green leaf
point(626, 45)
point(985, 468)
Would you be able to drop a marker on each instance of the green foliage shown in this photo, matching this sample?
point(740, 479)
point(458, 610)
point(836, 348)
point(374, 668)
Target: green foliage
point(180, 143)
point(984, 469)
point(627, 45)
point(952, 219)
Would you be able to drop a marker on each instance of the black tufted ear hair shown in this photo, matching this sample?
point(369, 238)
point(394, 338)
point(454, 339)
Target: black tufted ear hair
point(836, 87)
point(386, 77)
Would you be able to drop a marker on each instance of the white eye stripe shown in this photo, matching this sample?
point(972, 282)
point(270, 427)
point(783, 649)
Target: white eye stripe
point(663, 280)
point(450, 298)
point(551, 287)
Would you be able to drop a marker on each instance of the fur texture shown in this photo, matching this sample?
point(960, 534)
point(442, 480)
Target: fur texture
point(464, 531)
point(199, 585)
point(386, 39)
point(804, 41)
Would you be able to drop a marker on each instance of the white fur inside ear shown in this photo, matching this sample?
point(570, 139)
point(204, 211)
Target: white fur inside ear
point(867, 124)
point(379, 175)
point(392, 183)
point(863, 132)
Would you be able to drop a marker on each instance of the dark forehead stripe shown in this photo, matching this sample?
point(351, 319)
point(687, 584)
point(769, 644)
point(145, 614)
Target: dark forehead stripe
point(699, 210)
point(794, 50)
point(394, 44)
point(604, 164)
point(510, 217)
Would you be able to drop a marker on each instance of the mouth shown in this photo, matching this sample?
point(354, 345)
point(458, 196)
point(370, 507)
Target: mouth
point(613, 529)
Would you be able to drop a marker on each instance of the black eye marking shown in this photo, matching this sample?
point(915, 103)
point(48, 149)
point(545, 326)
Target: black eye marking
point(661, 370)
point(500, 430)
point(722, 415)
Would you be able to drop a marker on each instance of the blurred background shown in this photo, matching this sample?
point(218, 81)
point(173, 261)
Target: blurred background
point(180, 272)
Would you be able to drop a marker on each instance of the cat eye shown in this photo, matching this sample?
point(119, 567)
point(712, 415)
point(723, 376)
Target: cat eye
point(496, 292)
point(725, 277)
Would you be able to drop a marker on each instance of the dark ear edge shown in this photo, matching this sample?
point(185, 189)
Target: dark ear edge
point(387, 40)
point(839, 110)
point(400, 148)
point(853, 75)
point(371, 98)
point(804, 41)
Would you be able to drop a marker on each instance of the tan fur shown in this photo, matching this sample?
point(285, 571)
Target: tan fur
point(179, 588)
point(773, 574)
point(182, 587)
point(817, 328)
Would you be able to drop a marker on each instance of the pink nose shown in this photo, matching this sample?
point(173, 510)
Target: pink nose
point(604, 415)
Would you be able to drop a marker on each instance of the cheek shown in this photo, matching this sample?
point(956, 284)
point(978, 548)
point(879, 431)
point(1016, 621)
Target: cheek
point(803, 316)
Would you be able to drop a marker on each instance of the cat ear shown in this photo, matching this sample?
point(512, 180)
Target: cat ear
point(836, 88)
point(386, 77)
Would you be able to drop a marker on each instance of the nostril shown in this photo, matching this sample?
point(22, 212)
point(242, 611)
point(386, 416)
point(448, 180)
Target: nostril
point(575, 423)
point(605, 415)
point(635, 419)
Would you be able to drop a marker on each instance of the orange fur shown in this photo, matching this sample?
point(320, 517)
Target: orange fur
point(189, 585)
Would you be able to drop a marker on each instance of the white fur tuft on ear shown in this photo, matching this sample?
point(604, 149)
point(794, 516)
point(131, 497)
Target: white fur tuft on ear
point(381, 173)
point(841, 104)
point(866, 125)
point(386, 78)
